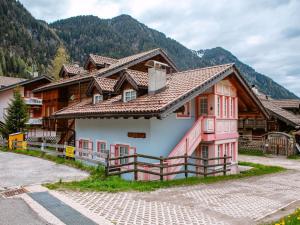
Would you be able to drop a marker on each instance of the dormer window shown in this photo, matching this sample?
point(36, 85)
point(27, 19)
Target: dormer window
point(129, 95)
point(97, 98)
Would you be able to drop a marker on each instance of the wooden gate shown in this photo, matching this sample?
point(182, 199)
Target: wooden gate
point(279, 143)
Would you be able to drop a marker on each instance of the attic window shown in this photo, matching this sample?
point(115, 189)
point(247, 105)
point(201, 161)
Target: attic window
point(129, 95)
point(97, 98)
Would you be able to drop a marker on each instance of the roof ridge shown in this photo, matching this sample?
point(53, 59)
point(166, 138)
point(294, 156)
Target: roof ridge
point(208, 67)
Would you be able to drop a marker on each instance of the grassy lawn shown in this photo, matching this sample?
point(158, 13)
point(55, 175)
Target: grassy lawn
point(253, 152)
point(58, 160)
point(97, 181)
point(294, 157)
point(292, 219)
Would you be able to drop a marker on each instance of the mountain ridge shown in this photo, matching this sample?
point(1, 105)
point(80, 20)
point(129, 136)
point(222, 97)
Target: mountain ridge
point(36, 43)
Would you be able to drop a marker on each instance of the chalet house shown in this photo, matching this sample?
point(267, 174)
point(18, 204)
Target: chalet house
point(285, 113)
point(143, 104)
point(33, 101)
point(71, 89)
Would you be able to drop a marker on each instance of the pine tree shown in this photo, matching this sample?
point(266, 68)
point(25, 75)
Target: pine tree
point(61, 57)
point(16, 116)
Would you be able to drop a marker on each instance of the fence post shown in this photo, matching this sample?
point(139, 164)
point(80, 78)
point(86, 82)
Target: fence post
point(161, 168)
point(43, 146)
point(135, 167)
point(185, 166)
point(205, 162)
point(107, 165)
point(225, 165)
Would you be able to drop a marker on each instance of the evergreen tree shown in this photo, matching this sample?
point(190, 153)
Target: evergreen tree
point(16, 116)
point(61, 57)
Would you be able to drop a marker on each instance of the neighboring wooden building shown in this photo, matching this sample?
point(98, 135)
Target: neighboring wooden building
point(33, 100)
point(73, 89)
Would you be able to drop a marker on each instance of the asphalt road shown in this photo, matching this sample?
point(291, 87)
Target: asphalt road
point(21, 170)
point(17, 212)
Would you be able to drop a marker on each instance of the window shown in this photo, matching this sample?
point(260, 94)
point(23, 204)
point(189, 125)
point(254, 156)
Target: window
point(204, 152)
point(226, 152)
point(231, 107)
point(123, 150)
point(85, 144)
point(101, 146)
point(219, 153)
point(225, 107)
point(97, 98)
point(219, 106)
point(186, 111)
point(232, 151)
point(203, 106)
point(129, 95)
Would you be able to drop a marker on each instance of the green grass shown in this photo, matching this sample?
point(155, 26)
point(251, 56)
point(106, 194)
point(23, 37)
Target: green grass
point(292, 219)
point(294, 157)
point(58, 160)
point(97, 182)
point(253, 152)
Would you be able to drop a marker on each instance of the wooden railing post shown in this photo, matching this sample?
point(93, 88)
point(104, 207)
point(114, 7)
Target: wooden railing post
point(107, 165)
point(205, 162)
point(225, 165)
point(135, 167)
point(161, 169)
point(186, 165)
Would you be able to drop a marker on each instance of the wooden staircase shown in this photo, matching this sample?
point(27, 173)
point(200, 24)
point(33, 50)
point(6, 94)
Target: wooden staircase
point(187, 145)
point(68, 136)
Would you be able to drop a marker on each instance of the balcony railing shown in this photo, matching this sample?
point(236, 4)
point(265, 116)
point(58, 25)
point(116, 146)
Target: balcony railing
point(208, 124)
point(33, 101)
point(35, 121)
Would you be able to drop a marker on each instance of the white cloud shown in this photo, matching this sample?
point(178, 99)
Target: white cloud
point(264, 34)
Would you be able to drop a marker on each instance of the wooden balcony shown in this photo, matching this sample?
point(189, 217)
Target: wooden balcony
point(252, 124)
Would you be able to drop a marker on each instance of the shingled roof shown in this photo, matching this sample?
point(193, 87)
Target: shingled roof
point(279, 112)
point(73, 69)
point(7, 81)
point(122, 64)
point(287, 103)
point(181, 87)
point(101, 60)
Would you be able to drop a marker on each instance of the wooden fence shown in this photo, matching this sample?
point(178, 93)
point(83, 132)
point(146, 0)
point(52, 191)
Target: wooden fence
point(60, 151)
point(135, 164)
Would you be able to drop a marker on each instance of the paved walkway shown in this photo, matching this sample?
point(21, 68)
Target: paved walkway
point(242, 201)
point(21, 170)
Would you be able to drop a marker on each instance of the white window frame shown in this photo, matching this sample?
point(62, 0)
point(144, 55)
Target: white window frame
point(225, 107)
point(132, 95)
point(123, 161)
point(97, 98)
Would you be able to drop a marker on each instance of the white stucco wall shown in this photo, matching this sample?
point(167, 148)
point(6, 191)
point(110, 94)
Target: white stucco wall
point(161, 135)
point(5, 98)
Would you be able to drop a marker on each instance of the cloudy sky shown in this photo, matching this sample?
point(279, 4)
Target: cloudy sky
point(262, 33)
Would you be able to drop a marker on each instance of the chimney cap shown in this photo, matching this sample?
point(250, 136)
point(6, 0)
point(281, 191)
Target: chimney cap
point(156, 64)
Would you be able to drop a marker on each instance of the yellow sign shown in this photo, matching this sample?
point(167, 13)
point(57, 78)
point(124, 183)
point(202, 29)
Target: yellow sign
point(24, 145)
point(15, 141)
point(70, 150)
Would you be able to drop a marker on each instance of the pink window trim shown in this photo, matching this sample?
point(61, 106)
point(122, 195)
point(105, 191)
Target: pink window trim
point(99, 144)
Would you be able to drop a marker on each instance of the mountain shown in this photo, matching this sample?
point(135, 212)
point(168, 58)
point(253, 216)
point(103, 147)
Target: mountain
point(123, 35)
point(24, 41)
point(118, 37)
point(265, 84)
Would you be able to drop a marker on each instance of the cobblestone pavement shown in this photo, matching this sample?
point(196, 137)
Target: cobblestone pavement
point(234, 202)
